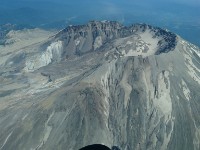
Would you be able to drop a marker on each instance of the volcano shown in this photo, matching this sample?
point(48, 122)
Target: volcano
point(133, 87)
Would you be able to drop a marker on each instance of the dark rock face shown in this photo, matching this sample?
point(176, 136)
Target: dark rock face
point(133, 87)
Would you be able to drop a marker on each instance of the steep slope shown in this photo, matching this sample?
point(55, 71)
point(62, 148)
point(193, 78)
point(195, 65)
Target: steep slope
point(133, 87)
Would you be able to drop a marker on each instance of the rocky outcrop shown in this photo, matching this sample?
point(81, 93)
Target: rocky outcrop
point(53, 53)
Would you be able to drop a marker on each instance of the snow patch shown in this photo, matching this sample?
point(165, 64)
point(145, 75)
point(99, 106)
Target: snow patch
point(126, 86)
point(198, 53)
point(6, 140)
point(129, 42)
point(25, 117)
point(163, 99)
point(98, 42)
point(48, 130)
point(168, 137)
point(192, 69)
point(146, 45)
point(186, 90)
point(196, 140)
point(105, 80)
point(77, 42)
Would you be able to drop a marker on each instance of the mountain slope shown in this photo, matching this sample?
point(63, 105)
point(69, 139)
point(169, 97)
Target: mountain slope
point(133, 87)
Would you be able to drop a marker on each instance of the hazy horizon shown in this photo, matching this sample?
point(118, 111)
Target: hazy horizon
point(180, 16)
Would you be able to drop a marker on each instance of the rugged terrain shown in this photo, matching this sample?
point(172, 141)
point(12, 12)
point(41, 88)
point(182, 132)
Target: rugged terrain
point(135, 87)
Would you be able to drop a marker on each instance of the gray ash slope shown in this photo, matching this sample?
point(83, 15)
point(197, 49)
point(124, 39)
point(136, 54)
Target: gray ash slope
point(133, 87)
